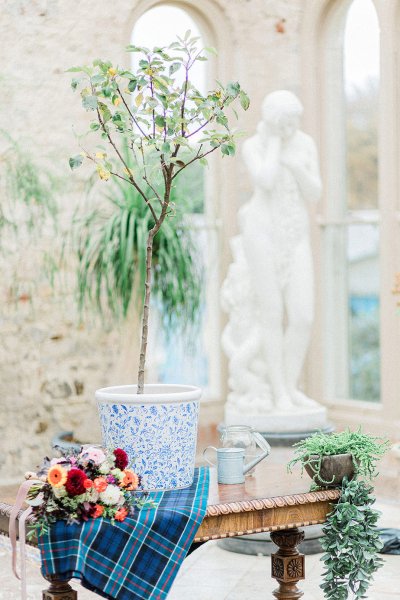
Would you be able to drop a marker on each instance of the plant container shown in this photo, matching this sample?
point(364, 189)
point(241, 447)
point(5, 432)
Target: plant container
point(158, 430)
point(333, 469)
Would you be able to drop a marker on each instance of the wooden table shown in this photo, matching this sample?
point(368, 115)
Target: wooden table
point(271, 501)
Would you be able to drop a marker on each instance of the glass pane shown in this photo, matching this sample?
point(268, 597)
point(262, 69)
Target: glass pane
point(361, 277)
point(363, 307)
point(361, 83)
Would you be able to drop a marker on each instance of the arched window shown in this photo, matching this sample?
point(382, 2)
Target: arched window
point(361, 94)
point(351, 96)
point(351, 226)
point(172, 359)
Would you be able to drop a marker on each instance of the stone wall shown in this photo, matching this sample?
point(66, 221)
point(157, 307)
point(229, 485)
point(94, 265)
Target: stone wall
point(49, 364)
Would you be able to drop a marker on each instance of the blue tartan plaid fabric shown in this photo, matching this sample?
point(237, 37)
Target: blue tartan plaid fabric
point(137, 559)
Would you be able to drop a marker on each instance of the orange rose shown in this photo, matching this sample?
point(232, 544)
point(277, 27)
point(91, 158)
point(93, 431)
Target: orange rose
point(98, 511)
point(121, 514)
point(130, 480)
point(100, 484)
point(87, 484)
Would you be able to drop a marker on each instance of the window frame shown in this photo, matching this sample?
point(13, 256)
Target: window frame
point(322, 42)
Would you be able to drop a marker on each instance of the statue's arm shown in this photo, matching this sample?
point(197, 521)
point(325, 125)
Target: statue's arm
point(263, 164)
point(307, 172)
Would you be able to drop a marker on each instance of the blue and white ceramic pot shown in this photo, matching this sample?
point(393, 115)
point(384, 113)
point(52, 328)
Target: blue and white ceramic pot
point(158, 430)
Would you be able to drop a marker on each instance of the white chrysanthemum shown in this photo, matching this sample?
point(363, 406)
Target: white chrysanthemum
point(111, 495)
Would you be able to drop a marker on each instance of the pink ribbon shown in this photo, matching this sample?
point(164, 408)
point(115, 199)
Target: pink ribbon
point(12, 531)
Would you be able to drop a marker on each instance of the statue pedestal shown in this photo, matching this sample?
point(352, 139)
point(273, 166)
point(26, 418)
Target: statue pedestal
point(297, 420)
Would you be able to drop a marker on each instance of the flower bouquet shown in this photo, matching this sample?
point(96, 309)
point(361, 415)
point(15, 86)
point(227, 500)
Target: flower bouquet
point(84, 485)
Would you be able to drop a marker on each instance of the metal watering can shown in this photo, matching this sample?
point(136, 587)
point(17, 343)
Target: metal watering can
point(230, 461)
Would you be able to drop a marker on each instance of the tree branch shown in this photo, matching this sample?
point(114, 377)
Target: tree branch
point(131, 179)
point(131, 113)
point(147, 284)
point(184, 96)
point(206, 122)
point(197, 157)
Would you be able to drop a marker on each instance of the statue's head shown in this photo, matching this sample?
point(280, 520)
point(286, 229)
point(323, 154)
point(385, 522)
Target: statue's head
point(281, 111)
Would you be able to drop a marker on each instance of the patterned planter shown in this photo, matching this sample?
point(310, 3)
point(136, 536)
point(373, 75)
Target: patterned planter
point(158, 430)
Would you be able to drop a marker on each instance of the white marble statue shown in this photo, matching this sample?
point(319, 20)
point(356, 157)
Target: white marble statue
point(269, 291)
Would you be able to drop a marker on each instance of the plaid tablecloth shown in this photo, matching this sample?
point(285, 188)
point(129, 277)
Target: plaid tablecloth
point(137, 559)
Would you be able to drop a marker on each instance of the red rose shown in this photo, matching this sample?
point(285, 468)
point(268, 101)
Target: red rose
point(121, 459)
point(75, 484)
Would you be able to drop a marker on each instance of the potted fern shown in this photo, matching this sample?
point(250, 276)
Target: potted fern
point(351, 541)
point(167, 125)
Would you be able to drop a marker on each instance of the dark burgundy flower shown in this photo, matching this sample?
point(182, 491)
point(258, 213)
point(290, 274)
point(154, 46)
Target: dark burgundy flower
point(75, 482)
point(121, 458)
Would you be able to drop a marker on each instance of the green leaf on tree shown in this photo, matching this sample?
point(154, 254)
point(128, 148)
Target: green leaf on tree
point(244, 100)
point(174, 68)
point(228, 149)
point(233, 89)
point(96, 79)
point(222, 119)
point(105, 112)
point(159, 121)
point(132, 48)
point(152, 102)
point(90, 102)
point(75, 161)
point(75, 82)
point(132, 85)
point(161, 83)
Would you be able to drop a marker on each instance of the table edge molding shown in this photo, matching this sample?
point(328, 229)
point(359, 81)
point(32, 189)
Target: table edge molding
point(215, 510)
point(229, 534)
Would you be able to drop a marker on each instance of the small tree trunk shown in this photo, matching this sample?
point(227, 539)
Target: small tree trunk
point(147, 284)
point(146, 310)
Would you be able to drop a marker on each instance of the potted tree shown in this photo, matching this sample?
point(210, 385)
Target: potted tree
point(156, 113)
point(351, 541)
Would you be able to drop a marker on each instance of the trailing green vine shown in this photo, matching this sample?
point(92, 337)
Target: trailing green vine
point(351, 543)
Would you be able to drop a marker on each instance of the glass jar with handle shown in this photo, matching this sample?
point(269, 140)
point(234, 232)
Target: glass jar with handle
point(243, 436)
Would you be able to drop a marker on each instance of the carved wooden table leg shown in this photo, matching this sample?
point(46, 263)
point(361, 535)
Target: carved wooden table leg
point(59, 590)
point(287, 564)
